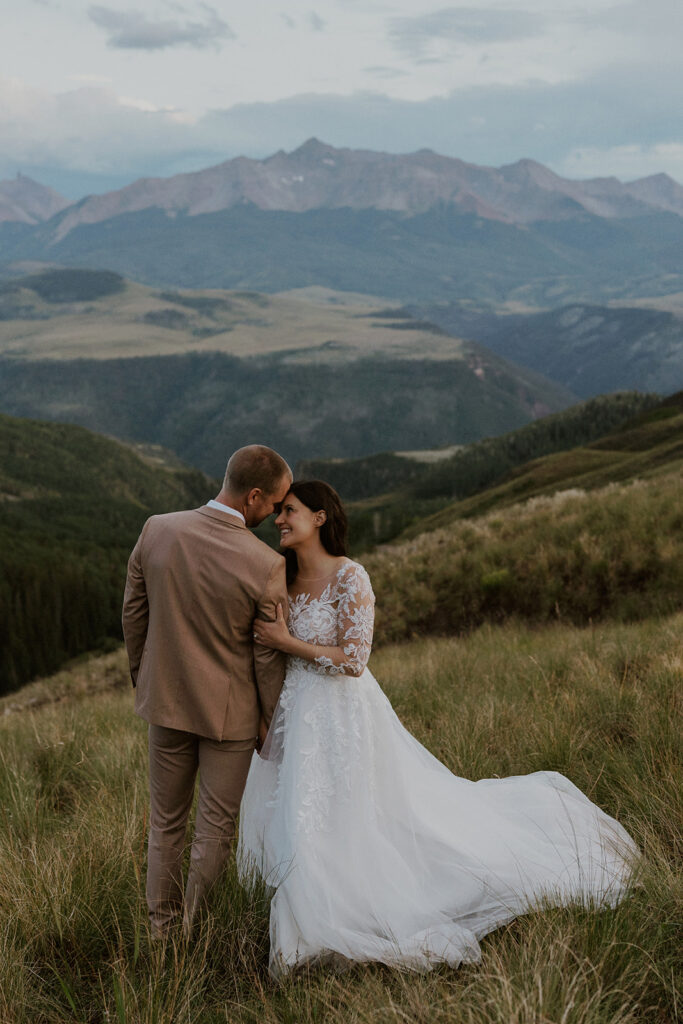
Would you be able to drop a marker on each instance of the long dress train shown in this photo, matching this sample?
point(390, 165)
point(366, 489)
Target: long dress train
point(375, 850)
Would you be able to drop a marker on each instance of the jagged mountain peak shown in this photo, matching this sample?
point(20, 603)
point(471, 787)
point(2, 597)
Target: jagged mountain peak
point(660, 178)
point(527, 171)
point(312, 147)
point(659, 190)
point(25, 200)
point(317, 175)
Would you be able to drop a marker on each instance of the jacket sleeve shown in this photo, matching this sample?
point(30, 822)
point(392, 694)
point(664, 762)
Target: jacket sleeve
point(269, 665)
point(135, 616)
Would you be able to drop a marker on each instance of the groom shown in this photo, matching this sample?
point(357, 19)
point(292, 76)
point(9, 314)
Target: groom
point(196, 582)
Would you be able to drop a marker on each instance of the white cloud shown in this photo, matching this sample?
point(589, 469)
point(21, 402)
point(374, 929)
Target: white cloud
point(84, 128)
point(624, 162)
point(586, 89)
point(415, 36)
point(132, 30)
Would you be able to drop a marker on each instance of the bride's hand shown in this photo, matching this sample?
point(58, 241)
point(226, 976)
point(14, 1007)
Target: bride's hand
point(272, 634)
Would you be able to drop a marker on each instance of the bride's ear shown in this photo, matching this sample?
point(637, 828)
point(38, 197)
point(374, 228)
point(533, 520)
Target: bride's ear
point(320, 518)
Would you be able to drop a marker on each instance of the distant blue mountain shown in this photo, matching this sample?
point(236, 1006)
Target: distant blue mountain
point(420, 227)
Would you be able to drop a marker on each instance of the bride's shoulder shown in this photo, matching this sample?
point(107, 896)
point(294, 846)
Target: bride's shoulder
point(349, 568)
point(353, 574)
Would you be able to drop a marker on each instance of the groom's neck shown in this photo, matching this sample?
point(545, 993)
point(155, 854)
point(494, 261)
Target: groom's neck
point(233, 500)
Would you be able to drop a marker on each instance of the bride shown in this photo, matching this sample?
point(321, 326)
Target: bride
point(375, 850)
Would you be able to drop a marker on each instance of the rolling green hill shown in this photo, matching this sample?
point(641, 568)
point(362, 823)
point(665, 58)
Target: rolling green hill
point(449, 474)
point(72, 503)
point(646, 447)
point(390, 492)
point(71, 507)
point(578, 536)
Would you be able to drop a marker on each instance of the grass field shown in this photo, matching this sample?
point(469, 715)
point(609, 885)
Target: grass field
point(143, 321)
point(600, 704)
point(575, 556)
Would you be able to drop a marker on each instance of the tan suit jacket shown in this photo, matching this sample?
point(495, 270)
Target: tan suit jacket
point(196, 582)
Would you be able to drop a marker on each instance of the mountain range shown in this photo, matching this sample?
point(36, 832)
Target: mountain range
point(318, 176)
point(414, 227)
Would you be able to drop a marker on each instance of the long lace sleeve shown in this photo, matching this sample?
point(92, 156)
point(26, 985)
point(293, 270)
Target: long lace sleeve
point(355, 622)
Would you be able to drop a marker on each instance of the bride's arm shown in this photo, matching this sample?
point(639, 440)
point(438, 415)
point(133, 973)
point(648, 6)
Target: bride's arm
point(356, 609)
point(355, 623)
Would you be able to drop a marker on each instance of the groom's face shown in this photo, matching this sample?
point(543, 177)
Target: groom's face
point(260, 505)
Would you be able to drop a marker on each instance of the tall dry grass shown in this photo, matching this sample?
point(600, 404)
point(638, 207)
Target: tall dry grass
point(601, 705)
point(574, 557)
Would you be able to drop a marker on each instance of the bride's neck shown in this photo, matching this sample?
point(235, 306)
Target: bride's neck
point(314, 561)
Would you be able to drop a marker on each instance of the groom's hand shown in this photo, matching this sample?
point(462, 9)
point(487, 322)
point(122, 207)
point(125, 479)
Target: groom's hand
point(262, 733)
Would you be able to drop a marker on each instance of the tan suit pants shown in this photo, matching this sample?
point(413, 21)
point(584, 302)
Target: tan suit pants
point(175, 757)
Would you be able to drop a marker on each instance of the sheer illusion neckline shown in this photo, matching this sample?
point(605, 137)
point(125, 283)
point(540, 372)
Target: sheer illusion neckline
point(305, 597)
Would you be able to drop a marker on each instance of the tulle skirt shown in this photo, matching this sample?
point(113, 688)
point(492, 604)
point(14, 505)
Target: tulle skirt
point(376, 851)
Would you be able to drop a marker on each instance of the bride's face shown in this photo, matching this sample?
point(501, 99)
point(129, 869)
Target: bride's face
point(296, 522)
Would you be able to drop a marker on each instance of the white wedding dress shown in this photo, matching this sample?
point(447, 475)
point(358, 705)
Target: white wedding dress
point(375, 850)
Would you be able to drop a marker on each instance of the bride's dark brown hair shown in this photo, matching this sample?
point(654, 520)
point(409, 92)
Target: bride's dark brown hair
point(320, 497)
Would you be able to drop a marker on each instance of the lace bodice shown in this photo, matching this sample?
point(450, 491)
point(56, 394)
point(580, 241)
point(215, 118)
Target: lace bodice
point(342, 616)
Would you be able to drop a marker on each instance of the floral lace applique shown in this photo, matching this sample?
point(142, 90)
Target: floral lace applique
point(343, 616)
point(326, 764)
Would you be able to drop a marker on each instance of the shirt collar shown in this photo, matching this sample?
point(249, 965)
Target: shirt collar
point(226, 508)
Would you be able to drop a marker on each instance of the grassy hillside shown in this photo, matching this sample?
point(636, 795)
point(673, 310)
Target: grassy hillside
point(71, 507)
point(647, 446)
point(72, 503)
point(399, 493)
point(494, 695)
point(575, 557)
point(600, 705)
point(578, 536)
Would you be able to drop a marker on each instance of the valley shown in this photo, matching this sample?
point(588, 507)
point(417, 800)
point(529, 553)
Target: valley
point(147, 366)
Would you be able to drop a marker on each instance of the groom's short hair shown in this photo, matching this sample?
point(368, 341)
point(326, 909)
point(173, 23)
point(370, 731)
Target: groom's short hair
point(255, 466)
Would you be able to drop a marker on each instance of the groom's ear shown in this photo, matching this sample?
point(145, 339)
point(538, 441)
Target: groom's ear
point(253, 496)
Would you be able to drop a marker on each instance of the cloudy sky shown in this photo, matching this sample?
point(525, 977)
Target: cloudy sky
point(94, 95)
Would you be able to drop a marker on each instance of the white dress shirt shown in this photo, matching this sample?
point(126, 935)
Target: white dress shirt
point(226, 508)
